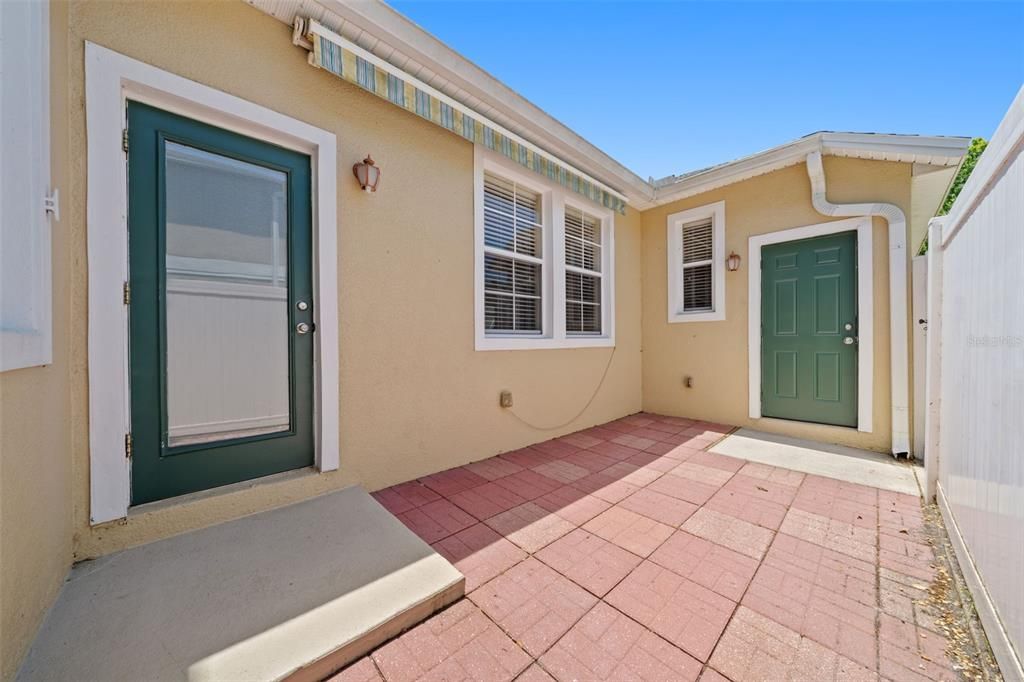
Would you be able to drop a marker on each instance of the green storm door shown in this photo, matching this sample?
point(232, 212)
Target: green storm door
point(809, 330)
point(220, 306)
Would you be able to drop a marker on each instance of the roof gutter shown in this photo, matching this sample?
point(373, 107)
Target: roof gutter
point(898, 351)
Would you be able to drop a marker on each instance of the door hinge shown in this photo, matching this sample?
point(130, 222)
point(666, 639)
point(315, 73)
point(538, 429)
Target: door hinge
point(128, 445)
point(124, 140)
point(127, 293)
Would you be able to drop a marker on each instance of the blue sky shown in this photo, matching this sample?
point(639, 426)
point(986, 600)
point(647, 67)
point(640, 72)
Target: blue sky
point(667, 87)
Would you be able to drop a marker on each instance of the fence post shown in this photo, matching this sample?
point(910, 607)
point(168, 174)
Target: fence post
point(933, 364)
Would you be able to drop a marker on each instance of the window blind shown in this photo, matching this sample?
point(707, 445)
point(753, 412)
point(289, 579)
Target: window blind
point(583, 274)
point(698, 257)
point(513, 257)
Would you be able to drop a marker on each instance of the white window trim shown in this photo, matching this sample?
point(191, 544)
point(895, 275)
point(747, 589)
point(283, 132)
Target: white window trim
point(554, 199)
point(31, 346)
point(865, 311)
point(111, 80)
point(675, 222)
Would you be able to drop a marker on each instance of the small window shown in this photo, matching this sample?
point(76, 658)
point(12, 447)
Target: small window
point(513, 258)
point(582, 272)
point(696, 282)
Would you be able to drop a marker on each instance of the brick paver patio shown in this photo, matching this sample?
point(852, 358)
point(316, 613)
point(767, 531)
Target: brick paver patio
point(629, 552)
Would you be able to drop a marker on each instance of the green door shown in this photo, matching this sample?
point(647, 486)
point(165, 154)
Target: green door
point(809, 330)
point(220, 306)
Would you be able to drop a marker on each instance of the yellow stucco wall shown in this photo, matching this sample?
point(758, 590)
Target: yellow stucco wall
point(415, 396)
point(35, 462)
point(715, 353)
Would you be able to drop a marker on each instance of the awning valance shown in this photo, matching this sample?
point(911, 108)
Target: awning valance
point(347, 60)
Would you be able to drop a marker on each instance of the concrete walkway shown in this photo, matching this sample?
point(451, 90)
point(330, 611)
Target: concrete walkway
point(299, 590)
point(629, 551)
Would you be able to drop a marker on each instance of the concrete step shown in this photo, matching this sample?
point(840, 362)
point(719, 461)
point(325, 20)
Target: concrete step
point(297, 591)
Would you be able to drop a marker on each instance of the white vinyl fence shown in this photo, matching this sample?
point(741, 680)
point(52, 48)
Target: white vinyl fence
point(975, 384)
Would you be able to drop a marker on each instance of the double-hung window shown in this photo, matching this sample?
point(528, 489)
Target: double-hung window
point(696, 262)
point(582, 272)
point(544, 262)
point(513, 257)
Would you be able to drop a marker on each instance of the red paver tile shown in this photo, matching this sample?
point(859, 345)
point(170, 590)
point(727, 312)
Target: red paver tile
point(762, 489)
point(904, 556)
point(712, 566)
point(629, 530)
point(634, 441)
point(458, 643)
point(493, 468)
point(729, 531)
point(907, 665)
point(826, 503)
point(902, 598)
point(606, 645)
point(558, 448)
point(614, 450)
point(436, 520)
point(405, 496)
point(712, 675)
point(755, 648)
point(716, 461)
point(452, 481)
point(573, 505)
point(484, 501)
point(685, 489)
point(607, 488)
point(589, 561)
point(820, 594)
point(362, 670)
point(535, 673)
point(589, 460)
point(688, 615)
point(528, 484)
point(631, 473)
point(660, 448)
point(527, 457)
point(530, 526)
point(479, 553)
point(561, 471)
point(774, 474)
point(703, 474)
point(657, 506)
point(582, 439)
point(755, 510)
point(836, 535)
point(534, 604)
point(850, 492)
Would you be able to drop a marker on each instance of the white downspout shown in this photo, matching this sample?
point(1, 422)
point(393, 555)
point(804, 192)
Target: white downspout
point(898, 354)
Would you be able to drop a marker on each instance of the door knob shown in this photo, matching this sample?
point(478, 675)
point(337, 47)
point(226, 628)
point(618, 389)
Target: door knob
point(302, 328)
point(848, 340)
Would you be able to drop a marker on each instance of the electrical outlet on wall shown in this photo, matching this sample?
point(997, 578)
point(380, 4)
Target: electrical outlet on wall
point(505, 398)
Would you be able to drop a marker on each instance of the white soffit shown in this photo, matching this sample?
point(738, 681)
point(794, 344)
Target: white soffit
point(389, 35)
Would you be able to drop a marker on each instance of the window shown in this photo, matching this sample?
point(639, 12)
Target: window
point(25, 300)
point(544, 262)
point(582, 272)
point(513, 257)
point(696, 262)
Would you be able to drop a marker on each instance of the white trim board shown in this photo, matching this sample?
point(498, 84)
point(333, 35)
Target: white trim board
point(111, 80)
point(865, 310)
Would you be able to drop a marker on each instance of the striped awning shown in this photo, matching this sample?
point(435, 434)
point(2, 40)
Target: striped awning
point(347, 60)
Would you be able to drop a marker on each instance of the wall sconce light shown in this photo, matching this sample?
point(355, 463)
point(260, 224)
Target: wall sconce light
point(367, 174)
point(733, 262)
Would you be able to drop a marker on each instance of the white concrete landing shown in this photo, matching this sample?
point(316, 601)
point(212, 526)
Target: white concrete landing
point(832, 461)
point(298, 591)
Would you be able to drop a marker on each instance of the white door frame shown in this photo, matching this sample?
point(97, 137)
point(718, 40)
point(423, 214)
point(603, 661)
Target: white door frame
point(111, 79)
point(865, 309)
